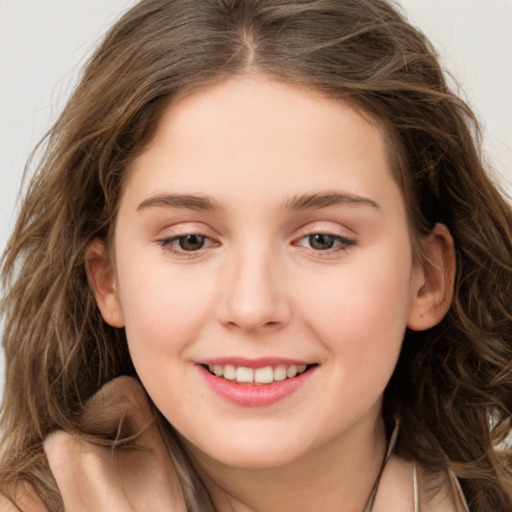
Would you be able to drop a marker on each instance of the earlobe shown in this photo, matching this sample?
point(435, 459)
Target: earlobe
point(433, 280)
point(100, 274)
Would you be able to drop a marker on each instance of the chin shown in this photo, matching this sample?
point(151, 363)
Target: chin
point(261, 452)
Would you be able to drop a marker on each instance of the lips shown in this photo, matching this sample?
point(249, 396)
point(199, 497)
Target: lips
point(253, 383)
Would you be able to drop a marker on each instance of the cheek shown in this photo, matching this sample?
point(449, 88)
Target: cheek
point(164, 315)
point(163, 309)
point(360, 316)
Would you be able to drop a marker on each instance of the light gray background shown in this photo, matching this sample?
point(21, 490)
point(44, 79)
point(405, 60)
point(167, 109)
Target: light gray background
point(44, 42)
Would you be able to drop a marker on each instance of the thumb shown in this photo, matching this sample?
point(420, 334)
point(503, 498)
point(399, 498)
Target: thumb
point(118, 413)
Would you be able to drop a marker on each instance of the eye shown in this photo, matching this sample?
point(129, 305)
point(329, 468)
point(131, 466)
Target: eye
point(186, 245)
point(325, 242)
point(190, 242)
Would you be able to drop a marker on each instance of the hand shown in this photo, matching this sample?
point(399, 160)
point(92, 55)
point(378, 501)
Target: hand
point(137, 478)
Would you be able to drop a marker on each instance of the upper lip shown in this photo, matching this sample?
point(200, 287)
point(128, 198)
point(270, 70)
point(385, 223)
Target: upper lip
point(260, 362)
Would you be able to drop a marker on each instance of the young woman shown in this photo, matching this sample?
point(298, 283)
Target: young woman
point(261, 267)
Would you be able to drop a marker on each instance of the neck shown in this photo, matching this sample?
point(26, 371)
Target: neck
point(335, 477)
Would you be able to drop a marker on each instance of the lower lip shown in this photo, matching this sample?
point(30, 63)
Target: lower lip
point(255, 395)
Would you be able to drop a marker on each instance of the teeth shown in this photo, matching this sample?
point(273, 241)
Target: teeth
point(291, 371)
point(280, 372)
point(265, 375)
point(229, 372)
point(244, 374)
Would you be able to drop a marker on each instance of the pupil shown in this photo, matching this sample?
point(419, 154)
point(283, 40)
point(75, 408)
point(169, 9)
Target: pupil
point(321, 242)
point(191, 242)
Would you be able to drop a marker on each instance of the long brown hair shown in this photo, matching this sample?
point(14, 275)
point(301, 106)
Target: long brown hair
point(452, 388)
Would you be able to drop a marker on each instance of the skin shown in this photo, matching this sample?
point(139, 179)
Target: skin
point(258, 288)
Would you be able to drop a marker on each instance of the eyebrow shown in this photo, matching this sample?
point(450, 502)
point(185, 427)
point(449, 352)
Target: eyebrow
point(326, 199)
point(306, 201)
point(183, 201)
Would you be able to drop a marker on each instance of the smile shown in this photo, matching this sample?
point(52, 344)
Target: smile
point(264, 375)
point(256, 383)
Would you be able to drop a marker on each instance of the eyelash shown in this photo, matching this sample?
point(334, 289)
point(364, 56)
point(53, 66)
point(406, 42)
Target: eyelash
point(342, 243)
point(168, 245)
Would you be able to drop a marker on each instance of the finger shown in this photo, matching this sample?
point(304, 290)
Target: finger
point(148, 474)
point(85, 474)
point(119, 410)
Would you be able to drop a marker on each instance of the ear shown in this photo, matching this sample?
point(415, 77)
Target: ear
point(101, 276)
point(433, 278)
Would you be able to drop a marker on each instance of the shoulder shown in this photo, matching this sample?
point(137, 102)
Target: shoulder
point(407, 487)
point(441, 491)
point(23, 498)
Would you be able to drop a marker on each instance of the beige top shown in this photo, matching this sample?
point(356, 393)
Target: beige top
point(445, 493)
point(408, 487)
point(29, 501)
point(457, 495)
point(460, 500)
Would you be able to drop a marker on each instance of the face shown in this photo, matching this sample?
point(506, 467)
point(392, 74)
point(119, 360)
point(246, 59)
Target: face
point(261, 237)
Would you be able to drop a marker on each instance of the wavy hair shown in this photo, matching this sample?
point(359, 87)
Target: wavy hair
point(452, 388)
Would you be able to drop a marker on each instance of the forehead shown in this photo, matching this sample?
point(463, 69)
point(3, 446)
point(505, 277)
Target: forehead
point(247, 135)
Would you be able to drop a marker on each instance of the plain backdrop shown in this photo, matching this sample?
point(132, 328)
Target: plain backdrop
point(43, 44)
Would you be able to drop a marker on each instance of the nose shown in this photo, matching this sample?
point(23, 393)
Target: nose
point(254, 293)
